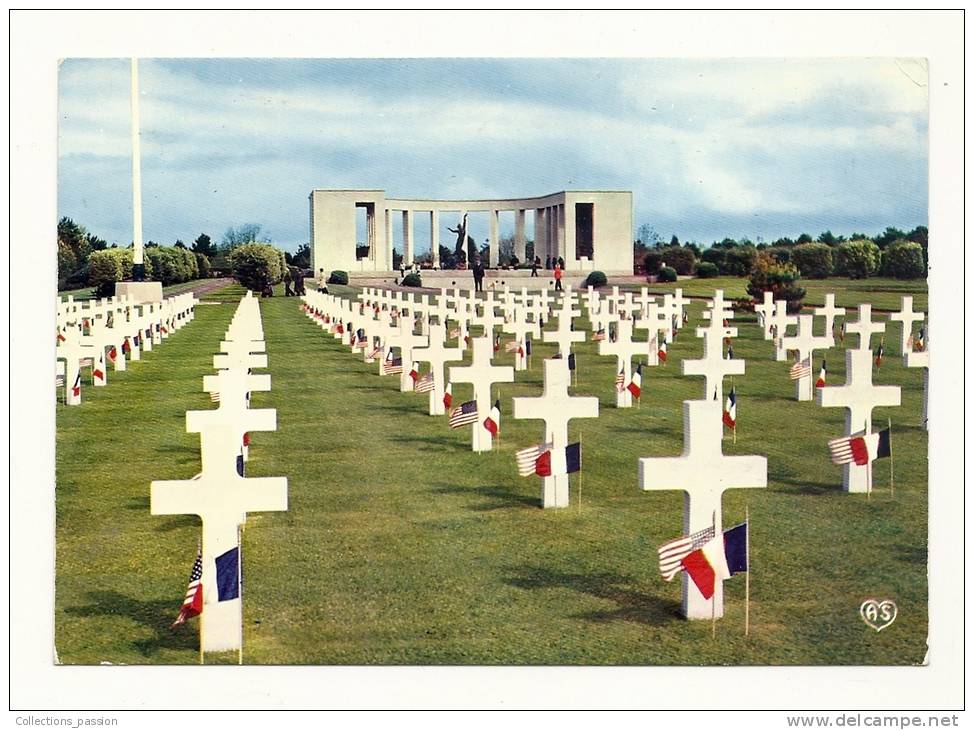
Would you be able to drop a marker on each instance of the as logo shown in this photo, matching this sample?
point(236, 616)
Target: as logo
point(878, 615)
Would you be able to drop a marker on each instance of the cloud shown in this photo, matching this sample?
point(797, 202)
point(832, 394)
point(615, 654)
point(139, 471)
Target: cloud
point(227, 141)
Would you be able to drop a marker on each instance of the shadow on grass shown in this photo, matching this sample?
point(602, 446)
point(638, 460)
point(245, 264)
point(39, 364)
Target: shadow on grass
point(155, 615)
point(177, 523)
point(438, 441)
point(803, 486)
point(366, 387)
point(632, 605)
point(404, 408)
point(499, 497)
point(911, 554)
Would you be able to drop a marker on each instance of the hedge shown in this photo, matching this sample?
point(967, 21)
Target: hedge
point(338, 277)
point(813, 260)
point(679, 258)
point(667, 273)
point(255, 265)
point(715, 256)
point(707, 270)
point(857, 259)
point(596, 279)
point(781, 279)
point(904, 260)
point(740, 260)
point(111, 265)
point(652, 262)
point(412, 279)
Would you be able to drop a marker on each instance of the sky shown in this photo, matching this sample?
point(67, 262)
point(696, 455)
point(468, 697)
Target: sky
point(757, 148)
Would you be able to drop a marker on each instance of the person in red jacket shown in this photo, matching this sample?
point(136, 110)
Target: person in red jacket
point(557, 277)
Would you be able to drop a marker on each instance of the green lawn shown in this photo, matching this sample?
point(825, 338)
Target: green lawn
point(885, 294)
point(401, 546)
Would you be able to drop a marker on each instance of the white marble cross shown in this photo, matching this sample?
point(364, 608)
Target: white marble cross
point(404, 338)
point(713, 365)
point(556, 408)
point(859, 397)
point(221, 498)
point(830, 312)
point(718, 307)
point(906, 317)
point(679, 303)
point(624, 348)
point(614, 300)
point(764, 311)
point(644, 300)
point(482, 374)
point(921, 359)
point(652, 320)
point(563, 334)
point(436, 355)
point(488, 319)
point(865, 327)
point(806, 342)
point(703, 472)
point(780, 320)
point(520, 327)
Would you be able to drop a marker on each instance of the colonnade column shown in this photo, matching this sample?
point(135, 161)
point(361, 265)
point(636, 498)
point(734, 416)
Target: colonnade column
point(560, 235)
point(435, 237)
point(519, 234)
point(495, 248)
point(389, 240)
point(568, 236)
point(539, 233)
point(407, 237)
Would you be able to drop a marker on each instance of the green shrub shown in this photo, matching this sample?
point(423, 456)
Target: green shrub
point(111, 265)
point(782, 254)
point(338, 277)
point(104, 270)
point(707, 270)
point(857, 259)
point(904, 260)
point(813, 260)
point(203, 265)
point(652, 262)
point(715, 256)
point(596, 279)
point(67, 263)
point(412, 279)
point(740, 260)
point(255, 265)
point(667, 273)
point(679, 258)
point(780, 279)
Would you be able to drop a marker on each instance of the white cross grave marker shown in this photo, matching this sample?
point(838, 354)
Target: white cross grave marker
point(703, 472)
point(713, 365)
point(482, 374)
point(830, 312)
point(859, 397)
point(436, 355)
point(806, 342)
point(403, 338)
point(906, 317)
point(624, 348)
point(556, 408)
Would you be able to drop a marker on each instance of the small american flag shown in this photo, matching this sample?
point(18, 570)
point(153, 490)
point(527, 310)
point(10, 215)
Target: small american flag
point(511, 346)
point(464, 414)
point(599, 336)
point(621, 380)
point(671, 554)
point(392, 365)
point(215, 396)
point(455, 332)
point(193, 603)
point(375, 353)
point(58, 380)
point(801, 369)
point(425, 383)
point(527, 458)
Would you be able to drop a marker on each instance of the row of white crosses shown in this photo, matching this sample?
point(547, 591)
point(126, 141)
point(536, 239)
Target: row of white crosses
point(703, 472)
point(220, 495)
point(626, 311)
point(112, 330)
